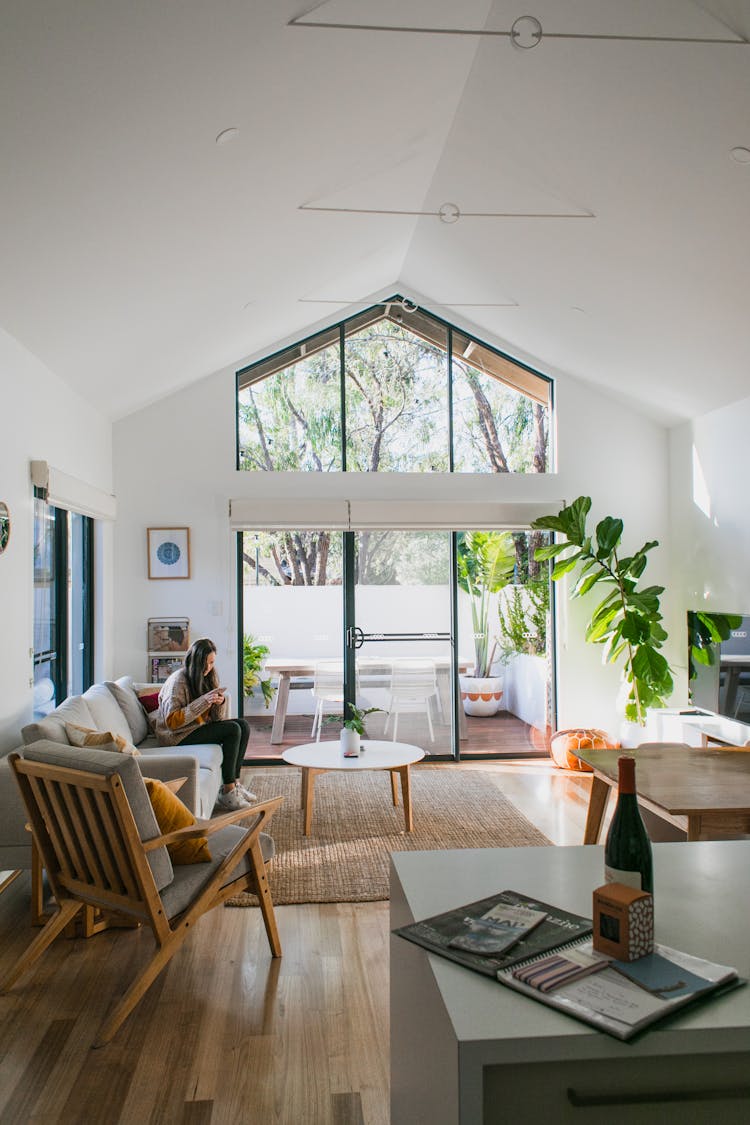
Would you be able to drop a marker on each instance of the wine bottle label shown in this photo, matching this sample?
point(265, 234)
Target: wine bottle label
point(629, 878)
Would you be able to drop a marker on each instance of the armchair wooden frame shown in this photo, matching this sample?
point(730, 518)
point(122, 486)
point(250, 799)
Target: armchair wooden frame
point(90, 847)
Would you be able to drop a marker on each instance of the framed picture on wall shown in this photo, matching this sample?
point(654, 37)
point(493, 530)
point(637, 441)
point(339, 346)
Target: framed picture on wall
point(168, 552)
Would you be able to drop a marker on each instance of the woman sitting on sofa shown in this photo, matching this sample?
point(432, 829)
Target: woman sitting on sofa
point(191, 711)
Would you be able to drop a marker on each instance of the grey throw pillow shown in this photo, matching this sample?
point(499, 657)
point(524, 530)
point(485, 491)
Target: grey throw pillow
point(130, 705)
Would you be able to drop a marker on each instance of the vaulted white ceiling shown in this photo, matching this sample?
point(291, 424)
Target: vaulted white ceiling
point(604, 226)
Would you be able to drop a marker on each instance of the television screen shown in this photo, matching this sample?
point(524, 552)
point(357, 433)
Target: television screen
point(723, 685)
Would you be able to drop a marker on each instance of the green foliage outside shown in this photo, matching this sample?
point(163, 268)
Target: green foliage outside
point(253, 656)
point(485, 562)
point(523, 614)
point(628, 619)
point(705, 632)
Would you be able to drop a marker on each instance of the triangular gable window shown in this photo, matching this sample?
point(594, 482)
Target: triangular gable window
point(393, 389)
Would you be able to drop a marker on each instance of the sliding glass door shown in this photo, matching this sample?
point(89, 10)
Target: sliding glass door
point(402, 636)
point(446, 633)
point(63, 604)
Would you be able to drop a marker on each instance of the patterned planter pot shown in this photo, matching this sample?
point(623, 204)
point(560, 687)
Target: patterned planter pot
point(481, 695)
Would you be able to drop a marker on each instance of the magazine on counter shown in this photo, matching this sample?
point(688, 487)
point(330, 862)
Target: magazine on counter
point(556, 964)
point(457, 933)
point(620, 997)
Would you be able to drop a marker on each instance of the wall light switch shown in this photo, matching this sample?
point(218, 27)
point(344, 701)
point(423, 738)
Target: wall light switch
point(216, 609)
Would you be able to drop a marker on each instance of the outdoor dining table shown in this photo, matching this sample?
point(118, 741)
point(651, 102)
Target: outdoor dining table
point(290, 668)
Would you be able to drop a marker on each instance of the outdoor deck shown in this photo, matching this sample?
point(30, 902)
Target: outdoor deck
point(502, 736)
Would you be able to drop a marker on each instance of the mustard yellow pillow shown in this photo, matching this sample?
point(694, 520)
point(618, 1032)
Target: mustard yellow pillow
point(100, 739)
point(172, 814)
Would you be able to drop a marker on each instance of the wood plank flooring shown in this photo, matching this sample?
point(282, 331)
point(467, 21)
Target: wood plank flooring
point(226, 1035)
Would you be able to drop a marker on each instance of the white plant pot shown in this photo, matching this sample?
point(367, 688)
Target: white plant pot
point(349, 743)
point(481, 695)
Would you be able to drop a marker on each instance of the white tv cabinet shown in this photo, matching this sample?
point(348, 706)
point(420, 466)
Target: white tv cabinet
point(467, 1051)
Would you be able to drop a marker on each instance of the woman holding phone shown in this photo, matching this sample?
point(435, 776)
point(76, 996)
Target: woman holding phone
point(192, 710)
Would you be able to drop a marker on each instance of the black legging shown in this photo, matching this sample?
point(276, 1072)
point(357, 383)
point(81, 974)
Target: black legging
point(232, 735)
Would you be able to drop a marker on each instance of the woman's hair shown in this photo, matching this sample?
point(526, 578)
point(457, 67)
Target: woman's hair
point(195, 663)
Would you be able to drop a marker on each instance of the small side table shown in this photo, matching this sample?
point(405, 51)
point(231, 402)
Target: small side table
point(321, 757)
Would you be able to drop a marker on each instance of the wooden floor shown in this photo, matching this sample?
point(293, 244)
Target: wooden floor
point(226, 1035)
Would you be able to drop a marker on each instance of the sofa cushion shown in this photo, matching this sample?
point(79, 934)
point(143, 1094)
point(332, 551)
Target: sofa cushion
point(52, 727)
point(104, 764)
point(148, 696)
point(130, 705)
point(100, 739)
point(106, 711)
point(171, 815)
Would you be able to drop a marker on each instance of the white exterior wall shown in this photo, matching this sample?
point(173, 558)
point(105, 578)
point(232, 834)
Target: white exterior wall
point(41, 420)
point(175, 465)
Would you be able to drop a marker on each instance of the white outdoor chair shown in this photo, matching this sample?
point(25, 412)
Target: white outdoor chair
point(413, 686)
point(328, 687)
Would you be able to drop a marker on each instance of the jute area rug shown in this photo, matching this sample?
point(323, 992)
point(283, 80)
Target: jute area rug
point(355, 827)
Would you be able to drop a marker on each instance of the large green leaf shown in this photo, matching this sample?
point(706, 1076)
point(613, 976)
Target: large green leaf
point(564, 566)
point(608, 535)
point(635, 628)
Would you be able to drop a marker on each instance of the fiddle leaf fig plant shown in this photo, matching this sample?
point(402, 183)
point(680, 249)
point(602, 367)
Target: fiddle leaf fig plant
point(628, 619)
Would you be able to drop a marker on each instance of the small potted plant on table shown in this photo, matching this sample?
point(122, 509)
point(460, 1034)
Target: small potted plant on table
point(353, 728)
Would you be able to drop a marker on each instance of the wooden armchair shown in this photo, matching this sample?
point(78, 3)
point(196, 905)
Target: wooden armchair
point(100, 844)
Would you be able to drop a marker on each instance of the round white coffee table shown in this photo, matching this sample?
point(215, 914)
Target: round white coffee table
point(320, 757)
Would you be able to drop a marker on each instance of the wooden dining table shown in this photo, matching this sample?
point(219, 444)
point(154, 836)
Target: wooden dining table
point(288, 669)
point(705, 792)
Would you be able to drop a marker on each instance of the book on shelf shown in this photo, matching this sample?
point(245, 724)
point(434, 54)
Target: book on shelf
point(556, 964)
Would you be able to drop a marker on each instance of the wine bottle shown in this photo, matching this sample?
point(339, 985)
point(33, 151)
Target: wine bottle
point(627, 852)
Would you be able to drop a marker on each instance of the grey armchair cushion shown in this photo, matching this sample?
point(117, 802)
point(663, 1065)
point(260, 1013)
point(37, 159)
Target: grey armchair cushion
point(106, 711)
point(130, 705)
point(188, 881)
point(103, 763)
point(52, 728)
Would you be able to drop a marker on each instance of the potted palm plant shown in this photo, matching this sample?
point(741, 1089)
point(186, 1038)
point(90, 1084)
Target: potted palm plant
point(485, 564)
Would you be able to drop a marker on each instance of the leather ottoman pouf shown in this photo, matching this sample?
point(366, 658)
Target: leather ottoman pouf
point(579, 738)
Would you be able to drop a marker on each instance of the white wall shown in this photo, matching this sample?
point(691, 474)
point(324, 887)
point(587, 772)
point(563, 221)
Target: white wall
point(41, 420)
point(175, 466)
point(710, 471)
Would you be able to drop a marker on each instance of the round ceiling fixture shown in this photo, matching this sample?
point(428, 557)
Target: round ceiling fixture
point(227, 135)
point(449, 213)
point(526, 32)
point(741, 155)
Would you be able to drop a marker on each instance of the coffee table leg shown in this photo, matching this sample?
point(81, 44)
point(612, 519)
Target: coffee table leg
point(597, 805)
point(406, 794)
point(394, 786)
point(309, 794)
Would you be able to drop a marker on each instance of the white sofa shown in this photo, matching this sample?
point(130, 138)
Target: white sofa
point(112, 706)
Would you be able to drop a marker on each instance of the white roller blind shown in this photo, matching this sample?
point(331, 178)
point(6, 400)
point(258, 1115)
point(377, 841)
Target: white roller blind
point(438, 515)
point(64, 491)
point(301, 515)
point(399, 515)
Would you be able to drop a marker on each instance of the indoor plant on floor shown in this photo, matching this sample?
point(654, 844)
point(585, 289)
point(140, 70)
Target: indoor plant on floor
point(485, 563)
point(628, 619)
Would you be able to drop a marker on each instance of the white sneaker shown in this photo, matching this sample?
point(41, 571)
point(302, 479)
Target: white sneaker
point(246, 794)
point(231, 801)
